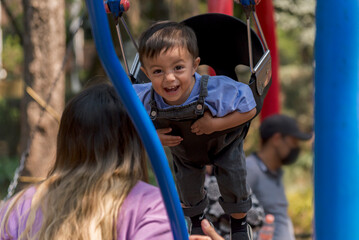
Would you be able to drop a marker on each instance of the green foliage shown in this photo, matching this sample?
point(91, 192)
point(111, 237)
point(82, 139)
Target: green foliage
point(301, 210)
point(203, 6)
point(299, 174)
point(13, 56)
point(7, 169)
point(295, 29)
point(151, 177)
point(297, 101)
point(297, 93)
point(288, 48)
point(299, 189)
point(10, 126)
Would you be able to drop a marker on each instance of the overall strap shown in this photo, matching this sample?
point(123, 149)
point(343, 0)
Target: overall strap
point(153, 105)
point(202, 95)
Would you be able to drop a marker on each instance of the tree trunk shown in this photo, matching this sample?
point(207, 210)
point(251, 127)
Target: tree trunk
point(44, 50)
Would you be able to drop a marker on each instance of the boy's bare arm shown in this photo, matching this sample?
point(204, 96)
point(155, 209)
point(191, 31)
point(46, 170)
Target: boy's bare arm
point(209, 124)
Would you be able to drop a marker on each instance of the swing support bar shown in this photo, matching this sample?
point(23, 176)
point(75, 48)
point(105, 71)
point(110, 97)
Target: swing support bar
point(142, 122)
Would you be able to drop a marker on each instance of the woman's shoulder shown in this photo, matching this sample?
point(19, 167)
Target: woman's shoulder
point(16, 208)
point(143, 214)
point(144, 192)
point(29, 192)
point(144, 187)
point(143, 198)
point(22, 199)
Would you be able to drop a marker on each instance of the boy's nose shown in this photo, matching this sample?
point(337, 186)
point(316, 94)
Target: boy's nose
point(170, 76)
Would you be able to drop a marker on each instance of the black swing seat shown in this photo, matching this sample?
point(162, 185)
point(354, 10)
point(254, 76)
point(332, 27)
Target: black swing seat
point(223, 45)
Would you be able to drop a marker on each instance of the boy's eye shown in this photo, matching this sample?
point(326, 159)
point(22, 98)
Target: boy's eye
point(178, 68)
point(157, 71)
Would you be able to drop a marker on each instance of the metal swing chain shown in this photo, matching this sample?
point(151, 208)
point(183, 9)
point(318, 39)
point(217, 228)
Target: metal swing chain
point(117, 8)
point(25, 154)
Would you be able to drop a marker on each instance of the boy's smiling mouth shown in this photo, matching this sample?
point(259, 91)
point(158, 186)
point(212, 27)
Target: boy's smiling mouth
point(171, 89)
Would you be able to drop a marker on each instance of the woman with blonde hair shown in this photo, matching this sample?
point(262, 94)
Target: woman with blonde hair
point(95, 189)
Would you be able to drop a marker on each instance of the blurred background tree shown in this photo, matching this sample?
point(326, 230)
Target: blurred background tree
point(295, 36)
point(44, 85)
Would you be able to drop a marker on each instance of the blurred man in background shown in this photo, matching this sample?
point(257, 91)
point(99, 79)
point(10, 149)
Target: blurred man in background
point(280, 136)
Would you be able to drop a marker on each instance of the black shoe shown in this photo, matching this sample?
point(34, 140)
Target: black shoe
point(248, 235)
point(195, 225)
point(197, 231)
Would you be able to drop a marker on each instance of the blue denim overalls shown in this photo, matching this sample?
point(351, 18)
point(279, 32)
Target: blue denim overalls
point(223, 149)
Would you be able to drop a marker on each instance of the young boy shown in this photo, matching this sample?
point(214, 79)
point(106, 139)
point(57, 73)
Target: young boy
point(200, 118)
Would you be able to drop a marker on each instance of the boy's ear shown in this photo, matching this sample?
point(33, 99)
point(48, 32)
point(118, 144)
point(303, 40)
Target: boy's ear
point(196, 63)
point(144, 71)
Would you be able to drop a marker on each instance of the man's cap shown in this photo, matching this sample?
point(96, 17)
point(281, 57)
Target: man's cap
point(285, 125)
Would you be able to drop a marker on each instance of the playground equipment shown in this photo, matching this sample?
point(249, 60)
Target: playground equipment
point(117, 8)
point(336, 150)
point(230, 46)
point(248, 52)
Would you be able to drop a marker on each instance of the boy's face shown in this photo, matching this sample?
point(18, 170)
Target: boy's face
point(171, 74)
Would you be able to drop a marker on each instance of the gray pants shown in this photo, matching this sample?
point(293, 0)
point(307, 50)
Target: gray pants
point(230, 171)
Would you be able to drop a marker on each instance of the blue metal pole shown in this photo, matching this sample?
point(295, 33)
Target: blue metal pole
point(137, 112)
point(336, 166)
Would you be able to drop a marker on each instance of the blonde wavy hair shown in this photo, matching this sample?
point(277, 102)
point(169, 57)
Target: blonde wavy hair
point(99, 159)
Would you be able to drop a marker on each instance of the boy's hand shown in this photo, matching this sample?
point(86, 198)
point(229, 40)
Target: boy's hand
point(168, 140)
point(204, 125)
